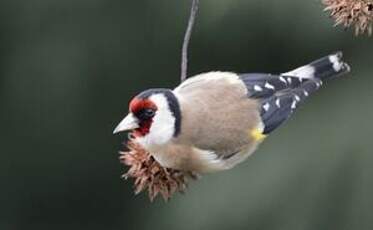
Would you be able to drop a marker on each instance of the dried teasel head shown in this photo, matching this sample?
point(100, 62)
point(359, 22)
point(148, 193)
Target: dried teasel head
point(149, 175)
point(357, 13)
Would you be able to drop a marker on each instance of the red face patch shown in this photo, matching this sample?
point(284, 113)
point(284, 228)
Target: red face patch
point(138, 106)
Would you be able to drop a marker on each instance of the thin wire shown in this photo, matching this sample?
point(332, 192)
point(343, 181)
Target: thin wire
point(188, 33)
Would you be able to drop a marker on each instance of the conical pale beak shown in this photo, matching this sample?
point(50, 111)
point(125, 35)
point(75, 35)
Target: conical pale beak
point(130, 122)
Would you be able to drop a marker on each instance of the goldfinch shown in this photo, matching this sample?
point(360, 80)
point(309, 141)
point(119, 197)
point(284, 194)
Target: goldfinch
point(215, 120)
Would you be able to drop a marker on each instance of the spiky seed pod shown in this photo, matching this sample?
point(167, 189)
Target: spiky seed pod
point(357, 13)
point(149, 175)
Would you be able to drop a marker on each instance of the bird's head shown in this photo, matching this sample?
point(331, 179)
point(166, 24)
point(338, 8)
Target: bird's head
point(154, 117)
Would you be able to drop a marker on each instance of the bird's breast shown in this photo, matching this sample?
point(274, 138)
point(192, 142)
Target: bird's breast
point(193, 159)
point(185, 158)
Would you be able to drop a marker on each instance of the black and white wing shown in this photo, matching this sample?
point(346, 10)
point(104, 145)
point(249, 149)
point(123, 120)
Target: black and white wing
point(280, 95)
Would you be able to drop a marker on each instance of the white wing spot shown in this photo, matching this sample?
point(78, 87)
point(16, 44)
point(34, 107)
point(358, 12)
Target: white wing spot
point(337, 63)
point(283, 80)
point(306, 71)
point(305, 93)
point(294, 105)
point(269, 86)
point(297, 98)
point(278, 103)
point(266, 106)
point(289, 80)
point(258, 88)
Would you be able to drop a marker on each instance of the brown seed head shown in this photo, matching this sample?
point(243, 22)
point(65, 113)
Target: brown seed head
point(357, 13)
point(149, 175)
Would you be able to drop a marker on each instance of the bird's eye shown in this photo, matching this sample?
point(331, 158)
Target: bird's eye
point(146, 114)
point(149, 113)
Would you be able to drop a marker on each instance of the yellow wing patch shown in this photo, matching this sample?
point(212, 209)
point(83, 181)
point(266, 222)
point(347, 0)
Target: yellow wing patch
point(257, 135)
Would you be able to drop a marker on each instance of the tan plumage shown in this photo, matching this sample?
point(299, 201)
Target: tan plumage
point(220, 137)
point(227, 132)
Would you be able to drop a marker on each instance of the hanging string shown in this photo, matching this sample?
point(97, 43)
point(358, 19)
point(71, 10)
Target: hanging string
point(188, 33)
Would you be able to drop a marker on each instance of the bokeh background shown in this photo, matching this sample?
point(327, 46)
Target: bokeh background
point(69, 68)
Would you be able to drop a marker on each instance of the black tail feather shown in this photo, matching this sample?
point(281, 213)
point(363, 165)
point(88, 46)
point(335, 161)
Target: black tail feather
point(323, 68)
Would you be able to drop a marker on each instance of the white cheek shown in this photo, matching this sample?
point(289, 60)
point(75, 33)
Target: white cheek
point(162, 128)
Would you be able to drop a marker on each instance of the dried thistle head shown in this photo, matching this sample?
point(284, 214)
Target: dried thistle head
point(357, 13)
point(149, 175)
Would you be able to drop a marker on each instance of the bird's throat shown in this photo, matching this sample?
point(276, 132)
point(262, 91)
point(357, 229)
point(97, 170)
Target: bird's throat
point(144, 128)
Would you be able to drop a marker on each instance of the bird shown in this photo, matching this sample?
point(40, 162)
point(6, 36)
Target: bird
point(213, 121)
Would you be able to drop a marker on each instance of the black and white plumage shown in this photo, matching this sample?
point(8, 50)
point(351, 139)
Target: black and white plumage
point(215, 120)
point(281, 94)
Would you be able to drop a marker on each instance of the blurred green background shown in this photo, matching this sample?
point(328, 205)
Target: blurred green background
point(69, 68)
